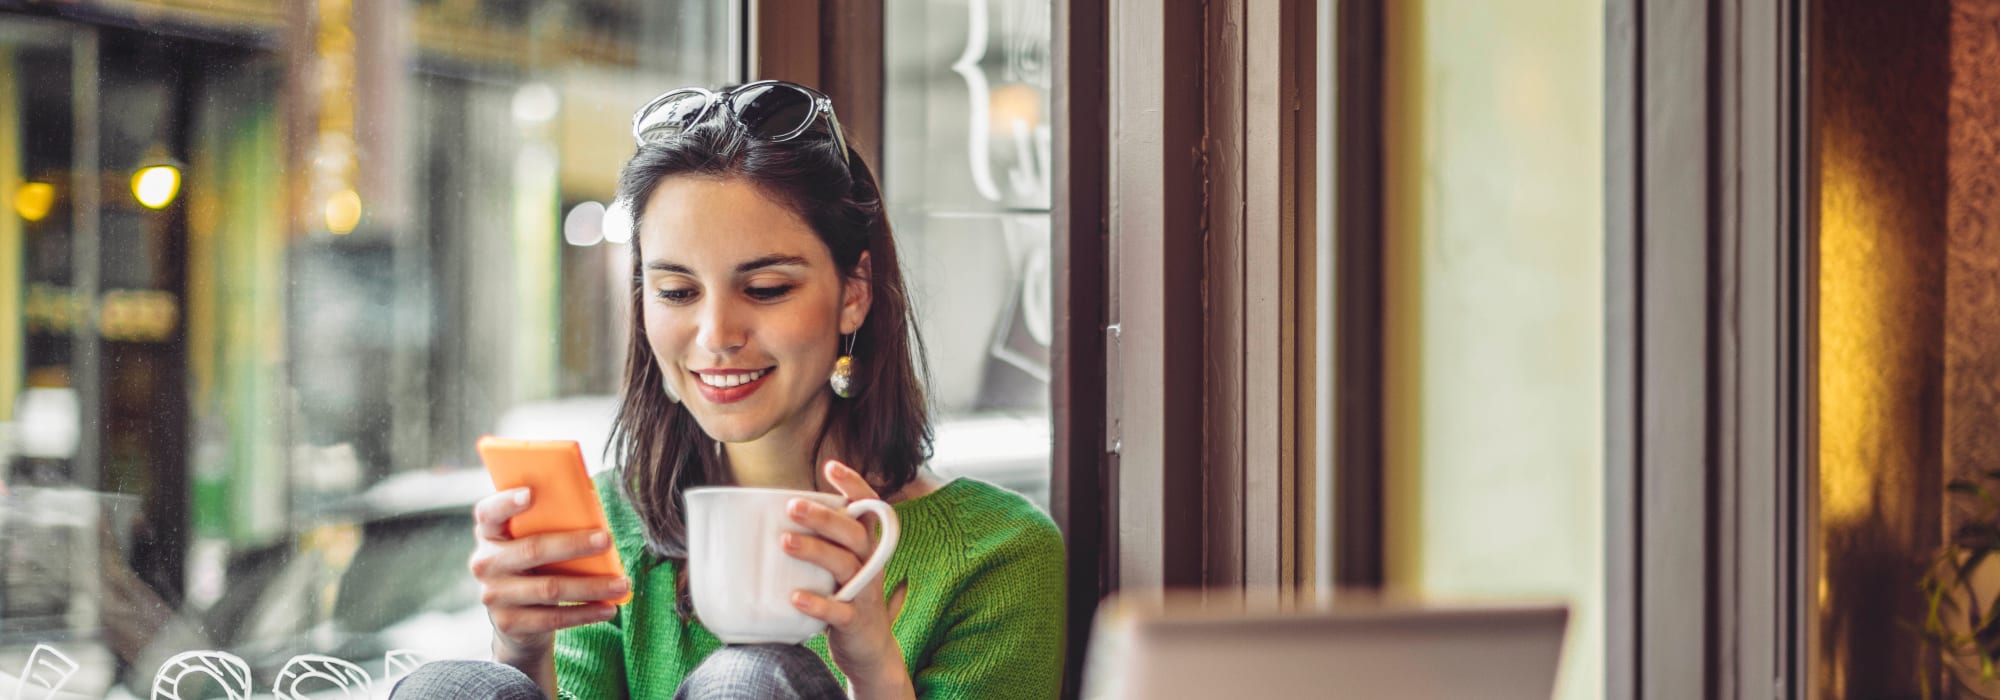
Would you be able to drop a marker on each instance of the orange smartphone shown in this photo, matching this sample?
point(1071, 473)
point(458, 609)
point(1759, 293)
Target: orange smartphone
point(563, 498)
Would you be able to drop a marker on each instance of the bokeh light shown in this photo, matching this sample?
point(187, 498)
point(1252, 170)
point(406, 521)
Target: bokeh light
point(155, 185)
point(34, 199)
point(343, 212)
point(618, 222)
point(584, 226)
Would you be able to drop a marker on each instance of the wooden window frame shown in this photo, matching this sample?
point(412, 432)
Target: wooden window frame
point(1211, 306)
point(1709, 253)
point(1709, 340)
point(838, 47)
point(833, 46)
point(1179, 458)
point(1080, 488)
point(1356, 419)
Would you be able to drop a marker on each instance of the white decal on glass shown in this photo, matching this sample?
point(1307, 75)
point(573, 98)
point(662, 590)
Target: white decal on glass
point(976, 90)
point(47, 670)
point(347, 677)
point(226, 668)
point(399, 662)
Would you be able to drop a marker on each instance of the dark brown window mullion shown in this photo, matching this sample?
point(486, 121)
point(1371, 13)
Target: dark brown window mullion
point(833, 46)
point(851, 71)
point(1079, 493)
point(1355, 420)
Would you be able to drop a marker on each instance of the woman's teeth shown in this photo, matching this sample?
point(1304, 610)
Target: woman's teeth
point(724, 381)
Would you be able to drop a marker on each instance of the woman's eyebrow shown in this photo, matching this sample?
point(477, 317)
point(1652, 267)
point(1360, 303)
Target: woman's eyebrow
point(773, 260)
point(776, 260)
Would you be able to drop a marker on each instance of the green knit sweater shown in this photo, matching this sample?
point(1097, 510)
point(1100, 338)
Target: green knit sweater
point(982, 617)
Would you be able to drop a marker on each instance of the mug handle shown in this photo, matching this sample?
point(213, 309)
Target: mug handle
point(891, 532)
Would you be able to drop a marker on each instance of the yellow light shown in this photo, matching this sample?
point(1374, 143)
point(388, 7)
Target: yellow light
point(1011, 104)
point(343, 212)
point(34, 199)
point(155, 185)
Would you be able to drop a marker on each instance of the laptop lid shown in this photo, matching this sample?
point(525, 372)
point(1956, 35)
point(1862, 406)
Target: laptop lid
point(1156, 650)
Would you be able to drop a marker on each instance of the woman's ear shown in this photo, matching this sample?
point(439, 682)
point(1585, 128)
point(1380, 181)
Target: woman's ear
point(856, 295)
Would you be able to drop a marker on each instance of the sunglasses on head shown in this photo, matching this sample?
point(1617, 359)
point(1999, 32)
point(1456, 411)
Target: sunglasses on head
point(773, 110)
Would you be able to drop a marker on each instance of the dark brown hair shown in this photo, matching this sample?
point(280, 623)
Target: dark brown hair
point(884, 429)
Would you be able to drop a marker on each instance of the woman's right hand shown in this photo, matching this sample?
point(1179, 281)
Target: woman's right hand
point(526, 608)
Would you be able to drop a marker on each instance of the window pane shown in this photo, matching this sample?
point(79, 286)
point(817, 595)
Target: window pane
point(967, 173)
point(266, 272)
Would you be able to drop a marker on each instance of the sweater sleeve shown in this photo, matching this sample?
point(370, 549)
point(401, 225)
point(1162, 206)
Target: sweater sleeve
point(590, 660)
point(1005, 634)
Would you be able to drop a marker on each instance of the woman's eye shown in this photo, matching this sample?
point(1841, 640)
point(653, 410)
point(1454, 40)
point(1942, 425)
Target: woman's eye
point(676, 295)
point(769, 293)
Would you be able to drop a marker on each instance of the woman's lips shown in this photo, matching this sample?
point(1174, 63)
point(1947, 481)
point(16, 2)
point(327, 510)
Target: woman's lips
point(720, 395)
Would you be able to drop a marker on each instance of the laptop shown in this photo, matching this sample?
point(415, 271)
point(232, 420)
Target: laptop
point(1181, 649)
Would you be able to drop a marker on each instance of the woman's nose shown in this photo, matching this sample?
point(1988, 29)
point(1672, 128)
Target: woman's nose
point(723, 329)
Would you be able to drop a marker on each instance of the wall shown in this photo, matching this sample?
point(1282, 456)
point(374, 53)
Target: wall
point(1879, 117)
point(1972, 265)
point(1495, 310)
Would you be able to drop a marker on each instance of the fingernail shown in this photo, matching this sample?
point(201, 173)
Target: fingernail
point(789, 541)
point(521, 497)
point(796, 507)
point(620, 586)
point(599, 539)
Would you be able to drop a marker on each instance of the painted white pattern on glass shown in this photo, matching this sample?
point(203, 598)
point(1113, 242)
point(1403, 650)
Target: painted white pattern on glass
point(226, 668)
point(1029, 178)
point(47, 670)
point(400, 662)
point(343, 675)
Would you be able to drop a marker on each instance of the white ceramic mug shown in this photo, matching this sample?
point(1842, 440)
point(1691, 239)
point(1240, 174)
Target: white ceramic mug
point(742, 579)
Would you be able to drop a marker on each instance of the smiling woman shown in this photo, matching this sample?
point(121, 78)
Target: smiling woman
point(772, 335)
point(725, 260)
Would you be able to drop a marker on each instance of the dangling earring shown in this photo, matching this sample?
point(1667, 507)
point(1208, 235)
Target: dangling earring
point(718, 449)
point(842, 379)
point(667, 385)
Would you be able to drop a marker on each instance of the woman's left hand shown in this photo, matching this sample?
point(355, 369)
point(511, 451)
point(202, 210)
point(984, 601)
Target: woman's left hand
point(859, 632)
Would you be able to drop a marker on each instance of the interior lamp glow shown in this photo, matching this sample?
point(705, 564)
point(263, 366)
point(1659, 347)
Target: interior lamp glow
point(34, 199)
point(155, 185)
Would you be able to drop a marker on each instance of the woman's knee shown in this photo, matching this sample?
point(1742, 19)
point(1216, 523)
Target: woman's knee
point(761, 671)
point(466, 679)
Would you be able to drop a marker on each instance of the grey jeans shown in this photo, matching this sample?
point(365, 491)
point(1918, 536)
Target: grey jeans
point(737, 672)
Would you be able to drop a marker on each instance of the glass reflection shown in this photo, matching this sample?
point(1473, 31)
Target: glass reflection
point(968, 180)
point(269, 269)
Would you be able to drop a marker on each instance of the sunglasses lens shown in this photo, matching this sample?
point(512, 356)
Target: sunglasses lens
point(673, 116)
point(773, 111)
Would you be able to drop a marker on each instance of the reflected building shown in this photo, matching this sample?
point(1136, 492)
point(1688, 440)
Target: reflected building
point(260, 257)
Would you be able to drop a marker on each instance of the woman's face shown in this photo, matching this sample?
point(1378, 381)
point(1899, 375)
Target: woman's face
point(743, 307)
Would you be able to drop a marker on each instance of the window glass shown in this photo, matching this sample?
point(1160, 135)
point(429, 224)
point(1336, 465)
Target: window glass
point(266, 272)
point(967, 176)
